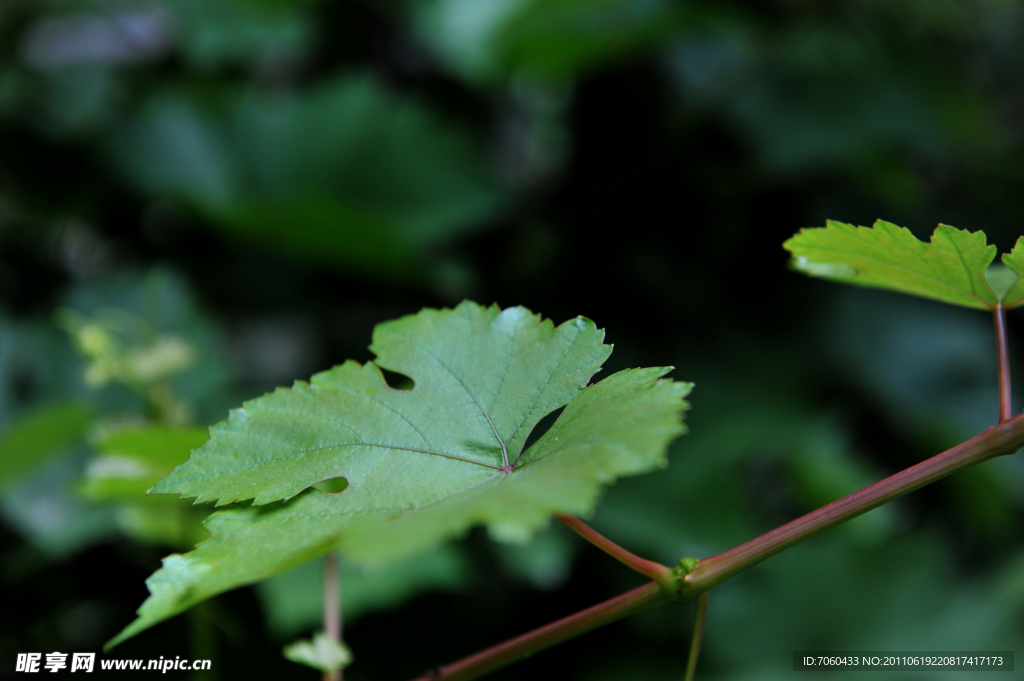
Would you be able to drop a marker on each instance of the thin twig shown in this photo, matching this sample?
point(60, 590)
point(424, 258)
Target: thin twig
point(332, 606)
point(698, 635)
point(648, 568)
point(1005, 395)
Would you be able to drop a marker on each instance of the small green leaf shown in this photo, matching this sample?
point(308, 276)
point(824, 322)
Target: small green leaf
point(685, 566)
point(321, 653)
point(1015, 261)
point(951, 268)
point(34, 438)
point(423, 465)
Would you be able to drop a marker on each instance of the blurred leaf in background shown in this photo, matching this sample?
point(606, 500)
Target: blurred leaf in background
point(42, 450)
point(42, 433)
point(131, 459)
point(485, 42)
point(294, 600)
point(343, 173)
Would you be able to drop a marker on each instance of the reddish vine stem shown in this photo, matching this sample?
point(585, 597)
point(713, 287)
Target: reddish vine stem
point(656, 571)
point(1004, 438)
point(1005, 404)
point(332, 606)
point(498, 656)
point(698, 635)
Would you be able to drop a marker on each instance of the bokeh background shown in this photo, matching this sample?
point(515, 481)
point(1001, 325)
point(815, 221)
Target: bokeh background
point(201, 200)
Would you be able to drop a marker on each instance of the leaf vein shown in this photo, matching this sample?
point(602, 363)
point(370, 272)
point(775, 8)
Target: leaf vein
point(250, 464)
point(504, 452)
point(861, 254)
point(393, 411)
point(541, 392)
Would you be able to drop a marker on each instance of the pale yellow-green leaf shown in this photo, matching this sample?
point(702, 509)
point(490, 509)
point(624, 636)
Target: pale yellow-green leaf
point(950, 268)
point(323, 653)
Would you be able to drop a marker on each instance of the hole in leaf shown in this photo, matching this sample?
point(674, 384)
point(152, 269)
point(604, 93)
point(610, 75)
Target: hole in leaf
point(331, 485)
point(396, 380)
point(543, 426)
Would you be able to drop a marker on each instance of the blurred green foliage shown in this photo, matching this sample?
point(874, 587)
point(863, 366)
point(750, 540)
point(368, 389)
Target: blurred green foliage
point(343, 173)
point(131, 459)
point(40, 434)
point(267, 179)
point(294, 599)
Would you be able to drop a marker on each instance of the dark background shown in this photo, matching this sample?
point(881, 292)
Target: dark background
point(282, 175)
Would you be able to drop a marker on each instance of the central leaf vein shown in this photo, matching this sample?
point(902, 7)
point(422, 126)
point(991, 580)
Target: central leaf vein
point(260, 462)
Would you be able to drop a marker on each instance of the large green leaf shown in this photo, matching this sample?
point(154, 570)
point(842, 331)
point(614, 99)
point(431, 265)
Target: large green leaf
point(424, 464)
point(482, 381)
point(951, 268)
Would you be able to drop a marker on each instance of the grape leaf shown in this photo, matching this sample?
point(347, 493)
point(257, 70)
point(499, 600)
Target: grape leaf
point(951, 268)
point(482, 381)
point(423, 465)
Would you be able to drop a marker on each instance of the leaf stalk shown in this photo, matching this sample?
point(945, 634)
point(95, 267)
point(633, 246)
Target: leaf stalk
point(332, 606)
point(649, 568)
point(1005, 393)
